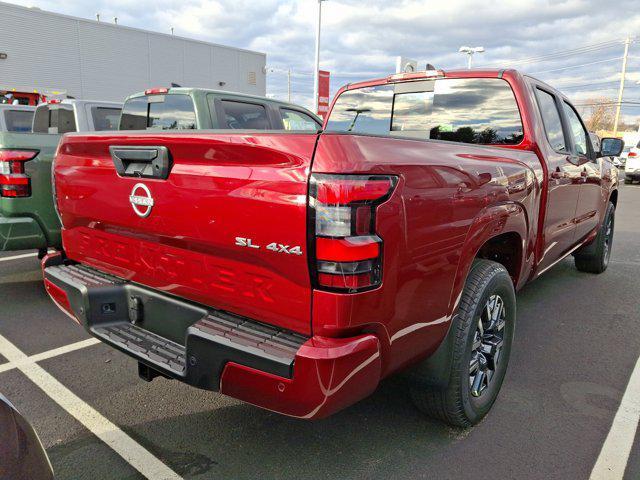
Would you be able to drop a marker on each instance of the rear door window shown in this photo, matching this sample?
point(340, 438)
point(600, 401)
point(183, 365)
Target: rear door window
point(244, 116)
point(295, 120)
point(18, 120)
point(551, 120)
point(105, 118)
point(54, 119)
point(470, 110)
point(163, 112)
point(577, 130)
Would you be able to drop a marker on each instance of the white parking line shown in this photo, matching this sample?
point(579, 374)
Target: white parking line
point(614, 455)
point(50, 354)
point(131, 451)
point(16, 257)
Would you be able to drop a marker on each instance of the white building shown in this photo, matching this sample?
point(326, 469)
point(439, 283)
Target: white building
point(104, 61)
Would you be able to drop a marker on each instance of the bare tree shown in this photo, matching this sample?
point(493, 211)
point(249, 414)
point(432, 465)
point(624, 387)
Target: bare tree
point(599, 113)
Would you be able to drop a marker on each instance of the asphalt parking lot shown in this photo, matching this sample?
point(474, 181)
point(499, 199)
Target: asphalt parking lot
point(577, 342)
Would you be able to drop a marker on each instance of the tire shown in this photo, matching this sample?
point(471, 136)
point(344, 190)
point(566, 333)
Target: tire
point(594, 258)
point(628, 181)
point(455, 403)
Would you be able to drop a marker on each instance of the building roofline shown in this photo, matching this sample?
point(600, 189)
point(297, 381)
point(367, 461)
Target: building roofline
point(135, 29)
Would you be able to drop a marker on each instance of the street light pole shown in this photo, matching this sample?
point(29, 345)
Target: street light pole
point(316, 73)
point(470, 51)
point(623, 74)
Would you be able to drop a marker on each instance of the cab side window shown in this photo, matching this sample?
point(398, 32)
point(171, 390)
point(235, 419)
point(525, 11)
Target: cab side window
point(577, 130)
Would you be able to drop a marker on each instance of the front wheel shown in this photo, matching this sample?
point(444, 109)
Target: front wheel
point(483, 326)
point(594, 258)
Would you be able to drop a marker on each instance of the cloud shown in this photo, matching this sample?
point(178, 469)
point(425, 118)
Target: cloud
point(361, 39)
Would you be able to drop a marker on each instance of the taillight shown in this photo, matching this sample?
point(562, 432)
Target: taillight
point(346, 252)
point(13, 180)
point(632, 154)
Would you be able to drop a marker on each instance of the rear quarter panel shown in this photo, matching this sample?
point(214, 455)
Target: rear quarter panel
point(439, 215)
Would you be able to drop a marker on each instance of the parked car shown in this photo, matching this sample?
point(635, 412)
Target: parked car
point(27, 216)
point(621, 160)
point(198, 108)
point(632, 165)
point(22, 456)
point(295, 270)
point(16, 118)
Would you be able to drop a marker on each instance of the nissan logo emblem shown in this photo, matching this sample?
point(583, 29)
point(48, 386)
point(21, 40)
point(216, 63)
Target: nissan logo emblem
point(141, 200)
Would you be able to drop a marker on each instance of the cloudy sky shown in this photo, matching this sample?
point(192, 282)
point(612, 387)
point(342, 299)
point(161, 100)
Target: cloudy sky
point(576, 45)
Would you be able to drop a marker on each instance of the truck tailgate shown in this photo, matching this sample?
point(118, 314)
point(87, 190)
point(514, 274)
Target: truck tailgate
point(226, 228)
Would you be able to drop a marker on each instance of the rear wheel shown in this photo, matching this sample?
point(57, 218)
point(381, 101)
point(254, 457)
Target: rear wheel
point(483, 328)
point(594, 258)
point(628, 181)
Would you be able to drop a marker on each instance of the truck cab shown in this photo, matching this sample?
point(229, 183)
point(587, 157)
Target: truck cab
point(180, 108)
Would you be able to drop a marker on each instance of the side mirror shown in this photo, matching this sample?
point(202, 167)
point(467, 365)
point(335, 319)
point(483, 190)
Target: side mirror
point(611, 147)
point(484, 178)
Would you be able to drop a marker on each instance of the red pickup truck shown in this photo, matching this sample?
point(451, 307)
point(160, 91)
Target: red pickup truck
point(295, 270)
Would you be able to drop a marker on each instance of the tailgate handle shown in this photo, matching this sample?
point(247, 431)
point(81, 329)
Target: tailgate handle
point(142, 162)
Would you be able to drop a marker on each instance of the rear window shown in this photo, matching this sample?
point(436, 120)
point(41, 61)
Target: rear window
point(54, 119)
point(18, 120)
point(162, 112)
point(105, 118)
point(243, 115)
point(473, 110)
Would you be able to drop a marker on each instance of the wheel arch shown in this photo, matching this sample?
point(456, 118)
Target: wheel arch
point(494, 229)
point(498, 233)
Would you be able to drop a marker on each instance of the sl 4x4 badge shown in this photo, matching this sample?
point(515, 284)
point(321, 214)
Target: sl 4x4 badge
point(274, 247)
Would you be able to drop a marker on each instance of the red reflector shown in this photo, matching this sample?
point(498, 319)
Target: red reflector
point(343, 191)
point(14, 190)
point(632, 154)
point(350, 249)
point(155, 91)
point(58, 295)
point(17, 155)
point(345, 281)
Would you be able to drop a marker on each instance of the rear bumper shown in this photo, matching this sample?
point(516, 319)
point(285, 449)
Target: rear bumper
point(260, 364)
point(21, 233)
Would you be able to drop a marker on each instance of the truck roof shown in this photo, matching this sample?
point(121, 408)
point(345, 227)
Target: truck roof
point(80, 103)
point(429, 74)
point(189, 90)
point(8, 106)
